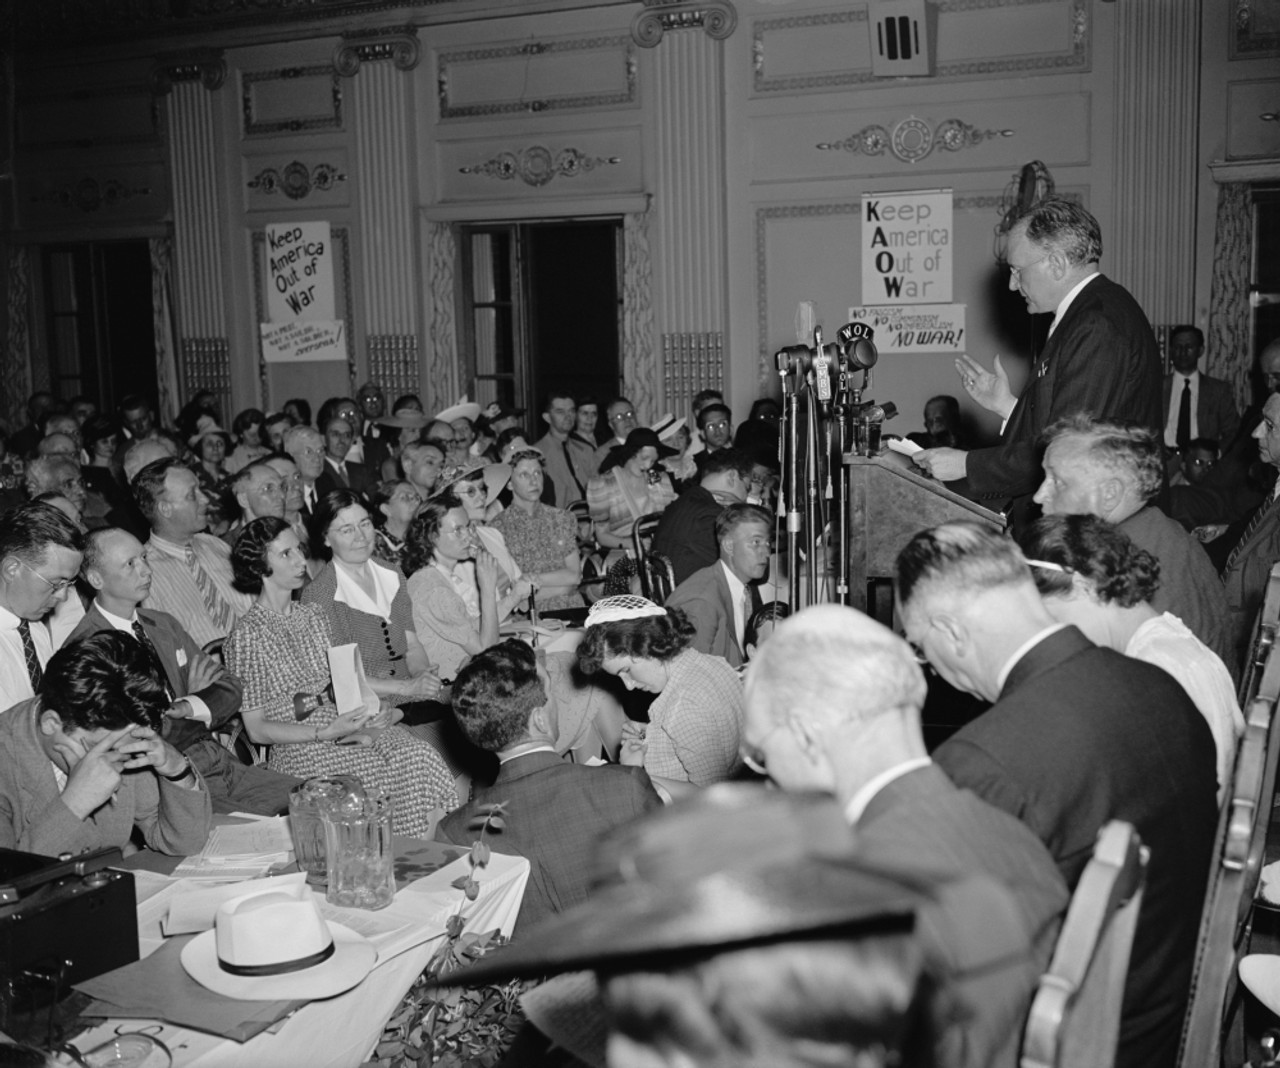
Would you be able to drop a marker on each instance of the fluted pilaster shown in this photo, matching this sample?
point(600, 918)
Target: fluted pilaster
point(1152, 247)
point(384, 169)
point(689, 213)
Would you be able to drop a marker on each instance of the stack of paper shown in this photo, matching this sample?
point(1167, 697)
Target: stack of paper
point(240, 851)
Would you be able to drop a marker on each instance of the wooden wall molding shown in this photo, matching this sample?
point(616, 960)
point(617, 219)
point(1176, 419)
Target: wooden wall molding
point(1072, 56)
point(620, 49)
point(328, 102)
point(90, 194)
point(399, 44)
point(716, 18)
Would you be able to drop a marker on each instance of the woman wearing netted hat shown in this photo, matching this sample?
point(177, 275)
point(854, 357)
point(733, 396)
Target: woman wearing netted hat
point(695, 724)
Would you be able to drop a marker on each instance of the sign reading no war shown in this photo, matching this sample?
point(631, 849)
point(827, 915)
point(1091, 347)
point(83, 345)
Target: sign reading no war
point(299, 276)
point(906, 248)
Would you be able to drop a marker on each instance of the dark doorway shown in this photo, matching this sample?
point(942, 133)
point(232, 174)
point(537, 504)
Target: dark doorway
point(100, 333)
point(542, 310)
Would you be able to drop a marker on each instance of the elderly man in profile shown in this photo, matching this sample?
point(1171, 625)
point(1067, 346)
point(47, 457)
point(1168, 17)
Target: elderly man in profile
point(1077, 736)
point(259, 491)
point(833, 706)
point(422, 462)
point(1101, 357)
point(1115, 472)
point(557, 811)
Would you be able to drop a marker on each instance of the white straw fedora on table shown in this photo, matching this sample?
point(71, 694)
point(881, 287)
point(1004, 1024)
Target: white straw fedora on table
point(273, 945)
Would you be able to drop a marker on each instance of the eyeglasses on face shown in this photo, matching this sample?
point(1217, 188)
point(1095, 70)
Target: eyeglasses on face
point(57, 587)
point(753, 755)
point(1016, 272)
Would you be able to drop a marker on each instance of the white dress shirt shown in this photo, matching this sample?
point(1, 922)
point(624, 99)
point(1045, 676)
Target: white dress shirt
point(15, 683)
point(1175, 402)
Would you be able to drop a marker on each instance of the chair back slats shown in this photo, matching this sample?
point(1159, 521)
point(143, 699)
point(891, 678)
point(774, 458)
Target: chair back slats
point(1264, 637)
point(642, 531)
point(1237, 857)
point(1075, 1014)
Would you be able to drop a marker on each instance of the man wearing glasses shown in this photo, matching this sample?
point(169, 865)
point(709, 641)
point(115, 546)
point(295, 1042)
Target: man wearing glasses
point(833, 705)
point(1101, 358)
point(40, 552)
point(621, 417)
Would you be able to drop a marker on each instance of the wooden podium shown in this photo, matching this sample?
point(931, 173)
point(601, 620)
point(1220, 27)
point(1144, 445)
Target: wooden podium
point(889, 502)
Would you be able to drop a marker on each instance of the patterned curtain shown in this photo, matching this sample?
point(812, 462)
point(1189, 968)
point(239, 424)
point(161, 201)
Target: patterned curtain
point(443, 372)
point(1230, 353)
point(15, 358)
point(641, 374)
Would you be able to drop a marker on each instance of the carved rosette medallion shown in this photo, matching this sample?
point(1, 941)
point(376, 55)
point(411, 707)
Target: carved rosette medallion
point(912, 139)
point(297, 179)
point(538, 165)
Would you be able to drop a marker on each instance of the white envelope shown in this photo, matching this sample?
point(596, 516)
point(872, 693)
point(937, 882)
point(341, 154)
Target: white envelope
point(351, 690)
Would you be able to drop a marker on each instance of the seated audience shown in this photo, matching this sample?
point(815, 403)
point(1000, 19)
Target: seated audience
point(588, 415)
point(291, 481)
point(1195, 405)
point(570, 461)
point(298, 410)
point(392, 507)
point(259, 491)
point(83, 764)
point(280, 650)
point(1092, 576)
point(760, 627)
point(340, 472)
point(620, 421)
point(695, 724)
point(24, 439)
point(374, 446)
point(190, 571)
point(138, 417)
point(305, 447)
point(1115, 472)
point(249, 446)
point(477, 485)
point(40, 553)
point(211, 447)
point(720, 598)
point(715, 428)
point(1196, 462)
point(57, 474)
point(680, 465)
point(686, 533)
point(203, 696)
point(542, 540)
point(422, 462)
point(273, 427)
point(103, 471)
point(833, 706)
point(397, 432)
point(1077, 736)
point(556, 811)
point(409, 402)
point(628, 487)
point(942, 426)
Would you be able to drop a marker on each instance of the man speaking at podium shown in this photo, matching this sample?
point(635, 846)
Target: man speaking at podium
point(1100, 358)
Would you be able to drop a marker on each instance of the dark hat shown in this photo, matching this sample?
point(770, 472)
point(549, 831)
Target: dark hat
point(736, 865)
point(636, 440)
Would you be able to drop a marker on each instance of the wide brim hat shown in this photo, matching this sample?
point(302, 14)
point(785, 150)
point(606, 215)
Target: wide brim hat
point(405, 420)
point(274, 945)
point(738, 865)
point(638, 439)
point(496, 477)
point(667, 426)
point(464, 409)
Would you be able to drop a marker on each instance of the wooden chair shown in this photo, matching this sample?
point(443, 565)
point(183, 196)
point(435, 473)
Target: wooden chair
point(1264, 637)
point(642, 531)
point(1075, 1014)
point(1213, 1026)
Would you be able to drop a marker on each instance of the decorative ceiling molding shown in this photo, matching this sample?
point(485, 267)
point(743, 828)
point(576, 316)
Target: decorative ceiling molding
point(912, 139)
point(297, 180)
point(397, 43)
point(208, 66)
point(716, 18)
point(538, 165)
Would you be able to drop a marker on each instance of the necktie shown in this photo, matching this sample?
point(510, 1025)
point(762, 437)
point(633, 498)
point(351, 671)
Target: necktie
point(1255, 521)
point(748, 606)
point(219, 611)
point(34, 670)
point(154, 655)
point(1183, 438)
point(568, 461)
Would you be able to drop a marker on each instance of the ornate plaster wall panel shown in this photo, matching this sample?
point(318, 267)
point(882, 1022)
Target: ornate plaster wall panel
point(1253, 119)
point(106, 115)
point(289, 180)
point(92, 194)
point(291, 100)
point(1255, 28)
point(978, 39)
point(951, 137)
point(553, 74)
point(581, 163)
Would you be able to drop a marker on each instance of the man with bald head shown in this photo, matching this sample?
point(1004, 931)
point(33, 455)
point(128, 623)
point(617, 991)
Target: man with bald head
point(833, 706)
point(259, 491)
point(1076, 736)
point(203, 695)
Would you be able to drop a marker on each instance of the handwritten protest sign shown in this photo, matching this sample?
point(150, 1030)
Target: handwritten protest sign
point(906, 248)
point(298, 341)
point(299, 272)
point(914, 327)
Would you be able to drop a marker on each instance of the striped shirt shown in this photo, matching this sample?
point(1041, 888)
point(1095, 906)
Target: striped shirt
point(174, 589)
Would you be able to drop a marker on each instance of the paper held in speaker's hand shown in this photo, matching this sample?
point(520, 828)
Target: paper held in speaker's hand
point(902, 445)
point(351, 689)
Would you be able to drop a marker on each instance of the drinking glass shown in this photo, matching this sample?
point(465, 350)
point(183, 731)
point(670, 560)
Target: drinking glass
point(360, 851)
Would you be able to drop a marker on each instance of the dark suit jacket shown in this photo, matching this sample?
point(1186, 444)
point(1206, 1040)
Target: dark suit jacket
point(704, 596)
point(1102, 359)
point(1246, 580)
point(359, 478)
point(177, 650)
point(557, 813)
point(1217, 416)
point(686, 533)
point(1082, 735)
point(923, 816)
